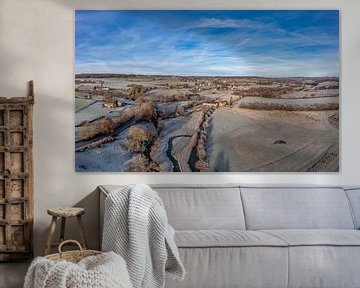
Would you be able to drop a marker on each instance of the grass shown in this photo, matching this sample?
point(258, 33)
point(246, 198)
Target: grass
point(82, 103)
point(266, 92)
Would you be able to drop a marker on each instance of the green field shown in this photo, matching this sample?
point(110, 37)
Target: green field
point(81, 103)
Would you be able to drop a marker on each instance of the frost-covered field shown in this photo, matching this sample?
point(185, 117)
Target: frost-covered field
point(109, 157)
point(283, 141)
point(312, 93)
point(91, 112)
point(293, 104)
point(178, 123)
point(81, 103)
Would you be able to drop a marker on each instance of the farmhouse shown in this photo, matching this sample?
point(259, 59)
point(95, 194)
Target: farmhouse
point(210, 104)
point(109, 105)
point(101, 88)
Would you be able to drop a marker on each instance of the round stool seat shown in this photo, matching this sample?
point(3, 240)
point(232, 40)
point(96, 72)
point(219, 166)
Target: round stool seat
point(66, 211)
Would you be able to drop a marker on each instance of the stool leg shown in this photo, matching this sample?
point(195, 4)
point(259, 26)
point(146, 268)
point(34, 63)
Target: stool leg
point(62, 231)
point(82, 232)
point(51, 235)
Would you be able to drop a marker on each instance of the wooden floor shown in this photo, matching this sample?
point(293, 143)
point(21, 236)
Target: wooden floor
point(12, 274)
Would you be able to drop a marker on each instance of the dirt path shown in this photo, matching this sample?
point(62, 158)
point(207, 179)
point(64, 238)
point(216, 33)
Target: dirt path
point(178, 167)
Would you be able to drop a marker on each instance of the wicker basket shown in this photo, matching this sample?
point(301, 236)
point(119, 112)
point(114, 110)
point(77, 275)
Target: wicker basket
point(72, 256)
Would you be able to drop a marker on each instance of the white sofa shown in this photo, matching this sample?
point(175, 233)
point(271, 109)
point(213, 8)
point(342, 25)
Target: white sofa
point(264, 237)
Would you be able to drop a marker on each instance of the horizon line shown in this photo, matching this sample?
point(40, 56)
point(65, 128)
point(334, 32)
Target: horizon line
point(203, 75)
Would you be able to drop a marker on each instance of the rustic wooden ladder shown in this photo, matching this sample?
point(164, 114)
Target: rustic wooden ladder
point(16, 177)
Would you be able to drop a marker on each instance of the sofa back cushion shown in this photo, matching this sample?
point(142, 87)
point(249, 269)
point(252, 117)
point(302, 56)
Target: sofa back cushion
point(203, 208)
point(296, 208)
point(354, 198)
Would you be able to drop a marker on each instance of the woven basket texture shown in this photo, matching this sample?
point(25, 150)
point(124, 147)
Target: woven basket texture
point(74, 256)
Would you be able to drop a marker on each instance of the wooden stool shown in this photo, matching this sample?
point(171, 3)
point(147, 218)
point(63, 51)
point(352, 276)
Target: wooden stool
point(64, 213)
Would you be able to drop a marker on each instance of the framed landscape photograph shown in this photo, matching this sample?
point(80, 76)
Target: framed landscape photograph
point(207, 91)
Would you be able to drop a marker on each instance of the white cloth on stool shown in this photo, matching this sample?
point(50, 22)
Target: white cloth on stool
point(107, 270)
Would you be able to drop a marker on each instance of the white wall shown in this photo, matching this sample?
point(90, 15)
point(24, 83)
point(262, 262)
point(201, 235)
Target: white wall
point(37, 42)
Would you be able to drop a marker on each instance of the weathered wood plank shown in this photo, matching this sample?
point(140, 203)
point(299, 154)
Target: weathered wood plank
point(16, 177)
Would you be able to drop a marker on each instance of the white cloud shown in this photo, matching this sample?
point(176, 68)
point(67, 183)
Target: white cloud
point(211, 65)
point(231, 23)
point(262, 48)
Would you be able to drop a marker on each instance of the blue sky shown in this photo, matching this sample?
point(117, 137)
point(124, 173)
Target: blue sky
point(265, 43)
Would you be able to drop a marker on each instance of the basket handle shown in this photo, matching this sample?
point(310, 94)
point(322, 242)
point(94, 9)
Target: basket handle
point(69, 241)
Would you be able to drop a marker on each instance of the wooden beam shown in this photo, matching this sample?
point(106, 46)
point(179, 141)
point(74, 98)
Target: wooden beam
point(31, 92)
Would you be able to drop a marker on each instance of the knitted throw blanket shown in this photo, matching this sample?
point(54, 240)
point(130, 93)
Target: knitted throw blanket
point(103, 271)
point(136, 227)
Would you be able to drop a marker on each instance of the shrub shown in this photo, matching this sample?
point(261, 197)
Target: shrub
point(145, 111)
point(201, 166)
point(142, 99)
point(124, 116)
point(171, 98)
point(89, 131)
point(108, 98)
point(201, 152)
point(137, 139)
point(105, 126)
point(267, 92)
point(135, 91)
point(143, 164)
point(140, 164)
point(180, 110)
point(84, 123)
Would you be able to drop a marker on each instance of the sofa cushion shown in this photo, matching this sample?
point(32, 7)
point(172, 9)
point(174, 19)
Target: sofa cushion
point(338, 237)
point(204, 208)
point(199, 207)
point(324, 266)
point(226, 238)
point(223, 267)
point(322, 258)
point(296, 208)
